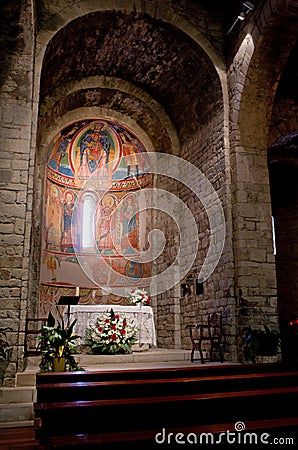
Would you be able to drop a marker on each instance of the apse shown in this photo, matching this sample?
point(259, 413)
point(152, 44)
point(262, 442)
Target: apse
point(96, 218)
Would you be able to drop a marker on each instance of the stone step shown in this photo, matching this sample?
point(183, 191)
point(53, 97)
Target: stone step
point(17, 402)
point(16, 405)
point(17, 413)
point(19, 424)
point(27, 378)
point(95, 362)
point(148, 357)
point(18, 394)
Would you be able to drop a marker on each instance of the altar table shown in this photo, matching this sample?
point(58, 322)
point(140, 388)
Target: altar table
point(142, 316)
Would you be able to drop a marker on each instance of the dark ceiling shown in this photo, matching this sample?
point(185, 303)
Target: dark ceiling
point(158, 58)
point(161, 60)
point(153, 55)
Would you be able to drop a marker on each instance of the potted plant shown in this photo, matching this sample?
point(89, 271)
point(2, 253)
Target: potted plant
point(260, 343)
point(57, 347)
point(111, 334)
point(5, 352)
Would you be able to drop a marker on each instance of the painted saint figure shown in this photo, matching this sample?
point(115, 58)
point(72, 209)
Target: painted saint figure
point(129, 224)
point(60, 152)
point(131, 156)
point(105, 224)
point(67, 218)
point(94, 151)
point(53, 218)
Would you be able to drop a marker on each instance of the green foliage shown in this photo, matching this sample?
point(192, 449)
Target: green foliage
point(5, 352)
point(260, 343)
point(5, 348)
point(57, 342)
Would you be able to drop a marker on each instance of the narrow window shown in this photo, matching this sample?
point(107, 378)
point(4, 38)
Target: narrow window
point(273, 236)
point(88, 212)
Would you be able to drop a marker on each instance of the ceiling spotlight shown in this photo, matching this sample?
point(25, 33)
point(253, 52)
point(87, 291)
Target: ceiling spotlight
point(247, 7)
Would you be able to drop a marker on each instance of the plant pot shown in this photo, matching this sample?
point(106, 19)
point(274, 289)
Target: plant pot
point(266, 344)
point(59, 364)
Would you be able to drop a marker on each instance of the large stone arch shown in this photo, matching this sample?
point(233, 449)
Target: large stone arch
point(194, 27)
point(27, 32)
point(255, 276)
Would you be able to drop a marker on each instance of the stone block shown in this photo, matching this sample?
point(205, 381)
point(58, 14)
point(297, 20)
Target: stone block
point(5, 175)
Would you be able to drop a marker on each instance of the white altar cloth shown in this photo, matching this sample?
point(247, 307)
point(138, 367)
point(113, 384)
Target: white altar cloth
point(142, 316)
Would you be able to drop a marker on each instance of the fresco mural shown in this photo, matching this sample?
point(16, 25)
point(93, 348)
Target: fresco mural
point(95, 174)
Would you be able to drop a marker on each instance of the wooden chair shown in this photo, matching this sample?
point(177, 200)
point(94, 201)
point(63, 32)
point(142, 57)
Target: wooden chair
point(32, 330)
point(211, 332)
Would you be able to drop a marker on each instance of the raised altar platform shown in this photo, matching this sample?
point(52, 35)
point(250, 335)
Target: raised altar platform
point(142, 316)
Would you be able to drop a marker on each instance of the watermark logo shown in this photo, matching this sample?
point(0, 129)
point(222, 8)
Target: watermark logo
point(239, 426)
point(238, 436)
point(175, 168)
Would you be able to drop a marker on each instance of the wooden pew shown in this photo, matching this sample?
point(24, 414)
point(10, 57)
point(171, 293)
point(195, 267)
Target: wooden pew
point(146, 439)
point(91, 390)
point(164, 372)
point(142, 405)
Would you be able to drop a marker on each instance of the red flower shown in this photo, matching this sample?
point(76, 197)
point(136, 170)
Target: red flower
point(117, 316)
point(113, 327)
point(124, 323)
point(100, 329)
point(114, 337)
point(123, 331)
point(107, 320)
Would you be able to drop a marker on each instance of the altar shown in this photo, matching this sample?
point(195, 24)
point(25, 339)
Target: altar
point(143, 318)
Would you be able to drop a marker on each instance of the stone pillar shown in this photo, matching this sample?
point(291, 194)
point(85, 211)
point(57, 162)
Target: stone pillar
point(16, 176)
point(255, 278)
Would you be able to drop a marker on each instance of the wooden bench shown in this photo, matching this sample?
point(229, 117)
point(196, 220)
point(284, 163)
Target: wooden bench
point(164, 372)
point(146, 438)
point(142, 405)
point(147, 413)
point(88, 390)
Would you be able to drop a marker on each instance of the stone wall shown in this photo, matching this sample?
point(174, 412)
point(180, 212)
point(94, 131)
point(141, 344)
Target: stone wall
point(208, 153)
point(192, 105)
point(16, 170)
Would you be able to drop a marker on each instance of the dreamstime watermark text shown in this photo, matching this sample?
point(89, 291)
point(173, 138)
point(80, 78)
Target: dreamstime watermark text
point(236, 437)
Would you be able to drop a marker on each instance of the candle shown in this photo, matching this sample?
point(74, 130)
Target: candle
point(77, 291)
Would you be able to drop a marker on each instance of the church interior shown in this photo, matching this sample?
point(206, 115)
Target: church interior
point(150, 146)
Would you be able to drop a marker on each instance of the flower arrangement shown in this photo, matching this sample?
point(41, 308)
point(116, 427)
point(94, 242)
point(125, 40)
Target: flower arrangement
point(111, 334)
point(139, 296)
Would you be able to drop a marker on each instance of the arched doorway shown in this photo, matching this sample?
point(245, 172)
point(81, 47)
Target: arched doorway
point(283, 169)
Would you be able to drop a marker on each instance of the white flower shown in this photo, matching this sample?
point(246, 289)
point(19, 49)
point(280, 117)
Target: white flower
point(139, 296)
point(110, 331)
